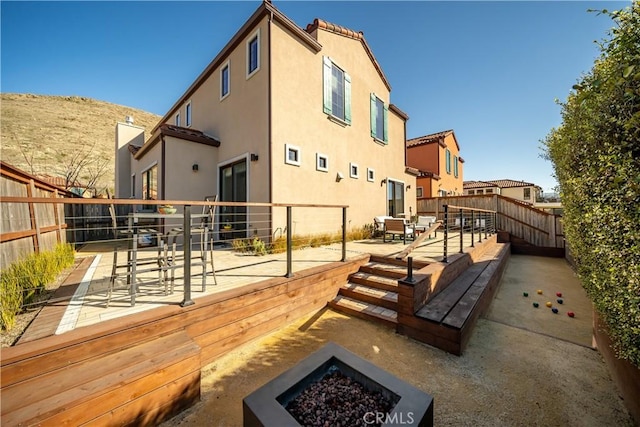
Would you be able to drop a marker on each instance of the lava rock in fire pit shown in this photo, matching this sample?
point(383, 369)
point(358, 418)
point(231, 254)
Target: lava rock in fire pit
point(337, 400)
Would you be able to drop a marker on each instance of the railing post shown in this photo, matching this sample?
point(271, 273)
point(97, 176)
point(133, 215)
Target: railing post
point(446, 231)
point(289, 255)
point(479, 229)
point(461, 230)
point(486, 220)
point(472, 228)
point(344, 234)
point(187, 256)
point(410, 270)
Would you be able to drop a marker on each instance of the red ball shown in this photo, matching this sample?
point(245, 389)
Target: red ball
point(571, 314)
point(559, 294)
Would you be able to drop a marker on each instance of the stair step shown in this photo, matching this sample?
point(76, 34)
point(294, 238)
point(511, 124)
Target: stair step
point(393, 261)
point(367, 294)
point(385, 270)
point(365, 311)
point(374, 281)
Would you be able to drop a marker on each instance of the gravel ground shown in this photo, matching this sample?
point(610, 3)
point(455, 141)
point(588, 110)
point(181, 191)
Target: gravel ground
point(507, 376)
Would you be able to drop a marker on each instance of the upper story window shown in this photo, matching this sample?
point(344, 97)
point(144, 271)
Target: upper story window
point(224, 81)
point(292, 155)
point(447, 160)
point(322, 162)
point(336, 91)
point(379, 119)
point(487, 191)
point(371, 175)
point(188, 115)
point(253, 54)
point(471, 192)
point(527, 193)
point(354, 171)
point(178, 119)
point(419, 192)
point(455, 166)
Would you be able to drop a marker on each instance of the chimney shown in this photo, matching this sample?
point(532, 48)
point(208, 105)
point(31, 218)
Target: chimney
point(129, 120)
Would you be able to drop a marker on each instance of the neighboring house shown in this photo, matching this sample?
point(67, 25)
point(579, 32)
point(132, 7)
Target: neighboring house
point(519, 190)
point(437, 157)
point(282, 115)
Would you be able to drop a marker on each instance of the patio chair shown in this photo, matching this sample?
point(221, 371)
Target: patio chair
point(119, 234)
point(424, 222)
point(378, 224)
point(398, 227)
point(205, 228)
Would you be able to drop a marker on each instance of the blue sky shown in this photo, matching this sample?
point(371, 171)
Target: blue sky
point(488, 70)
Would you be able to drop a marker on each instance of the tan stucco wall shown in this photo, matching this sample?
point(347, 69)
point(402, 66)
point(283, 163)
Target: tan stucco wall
point(125, 134)
point(298, 119)
point(181, 182)
point(240, 120)
point(518, 193)
point(448, 181)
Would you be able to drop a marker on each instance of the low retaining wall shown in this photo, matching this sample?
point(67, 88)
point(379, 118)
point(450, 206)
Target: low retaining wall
point(624, 374)
point(217, 324)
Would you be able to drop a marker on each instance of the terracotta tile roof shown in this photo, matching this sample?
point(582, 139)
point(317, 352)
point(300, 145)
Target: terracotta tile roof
point(500, 183)
point(188, 134)
point(356, 35)
point(437, 137)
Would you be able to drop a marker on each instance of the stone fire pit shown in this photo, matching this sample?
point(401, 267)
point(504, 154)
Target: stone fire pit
point(267, 405)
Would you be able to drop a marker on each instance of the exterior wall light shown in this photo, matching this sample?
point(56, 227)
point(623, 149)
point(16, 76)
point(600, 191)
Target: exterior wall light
point(194, 167)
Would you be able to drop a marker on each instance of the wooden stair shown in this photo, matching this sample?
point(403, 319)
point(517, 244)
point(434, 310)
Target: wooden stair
point(372, 292)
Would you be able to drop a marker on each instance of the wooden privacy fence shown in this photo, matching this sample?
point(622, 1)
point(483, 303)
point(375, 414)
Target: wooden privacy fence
point(536, 226)
point(28, 227)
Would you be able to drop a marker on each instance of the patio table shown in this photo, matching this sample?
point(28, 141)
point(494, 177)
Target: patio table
point(133, 219)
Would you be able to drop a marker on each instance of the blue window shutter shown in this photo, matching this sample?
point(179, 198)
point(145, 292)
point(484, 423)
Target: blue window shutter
point(373, 116)
point(326, 74)
point(347, 98)
point(386, 124)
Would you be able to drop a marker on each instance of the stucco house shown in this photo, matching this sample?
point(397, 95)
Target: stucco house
point(283, 115)
point(519, 190)
point(437, 157)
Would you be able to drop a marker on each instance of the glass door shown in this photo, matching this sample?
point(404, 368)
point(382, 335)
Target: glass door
point(395, 198)
point(233, 188)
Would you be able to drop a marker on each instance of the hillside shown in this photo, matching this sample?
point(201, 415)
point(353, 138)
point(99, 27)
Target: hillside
point(52, 135)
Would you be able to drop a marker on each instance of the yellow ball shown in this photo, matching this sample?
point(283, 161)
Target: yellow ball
point(539, 291)
point(548, 303)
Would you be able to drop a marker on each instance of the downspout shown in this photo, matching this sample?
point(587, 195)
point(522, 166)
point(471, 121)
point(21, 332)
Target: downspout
point(269, 125)
point(162, 165)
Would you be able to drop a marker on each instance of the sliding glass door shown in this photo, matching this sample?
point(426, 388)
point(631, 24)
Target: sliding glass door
point(233, 188)
point(395, 198)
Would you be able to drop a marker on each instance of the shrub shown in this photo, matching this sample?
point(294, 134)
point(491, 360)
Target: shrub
point(23, 280)
point(596, 158)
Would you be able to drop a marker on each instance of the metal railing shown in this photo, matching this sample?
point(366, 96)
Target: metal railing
point(257, 228)
point(467, 222)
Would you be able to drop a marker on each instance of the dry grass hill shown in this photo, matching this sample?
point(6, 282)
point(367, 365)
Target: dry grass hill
point(53, 135)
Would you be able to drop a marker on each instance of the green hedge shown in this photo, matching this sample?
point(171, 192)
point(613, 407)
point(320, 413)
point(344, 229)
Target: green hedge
point(23, 280)
point(596, 158)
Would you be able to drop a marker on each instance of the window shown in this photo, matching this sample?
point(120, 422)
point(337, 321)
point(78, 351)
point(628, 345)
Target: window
point(133, 185)
point(447, 159)
point(379, 119)
point(178, 119)
point(188, 114)
point(527, 193)
point(371, 175)
point(292, 155)
point(337, 92)
point(455, 166)
point(224, 81)
point(442, 193)
point(353, 170)
point(488, 190)
point(419, 192)
point(471, 192)
point(150, 183)
point(322, 162)
point(253, 54)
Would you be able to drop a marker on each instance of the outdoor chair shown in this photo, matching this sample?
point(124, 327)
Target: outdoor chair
point(119, 234)
point(205, 229)
point(424, 222)
point(398, 227)
point(378, 224)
